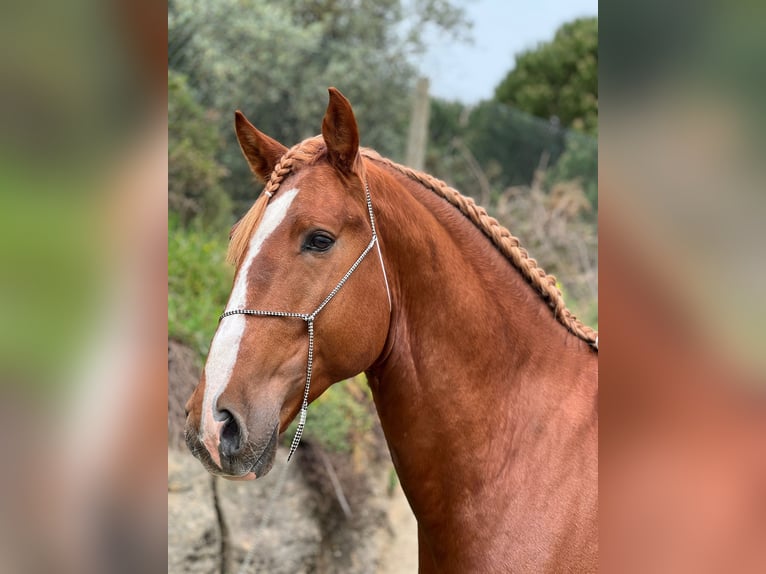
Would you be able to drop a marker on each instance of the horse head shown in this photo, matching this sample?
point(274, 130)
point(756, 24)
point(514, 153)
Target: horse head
point(308, 305)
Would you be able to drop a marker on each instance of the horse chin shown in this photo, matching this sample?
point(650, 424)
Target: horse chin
point(264, 461)
point(263, 452)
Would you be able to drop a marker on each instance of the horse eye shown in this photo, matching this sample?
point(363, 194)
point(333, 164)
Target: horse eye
point(319, 242)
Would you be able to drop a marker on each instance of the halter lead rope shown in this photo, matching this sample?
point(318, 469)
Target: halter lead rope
point(309, 317)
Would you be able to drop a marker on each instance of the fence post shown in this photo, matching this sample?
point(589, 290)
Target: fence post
point(418, 132)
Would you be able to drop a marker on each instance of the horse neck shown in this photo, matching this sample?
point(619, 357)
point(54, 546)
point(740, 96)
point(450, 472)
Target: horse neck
point(475, 365)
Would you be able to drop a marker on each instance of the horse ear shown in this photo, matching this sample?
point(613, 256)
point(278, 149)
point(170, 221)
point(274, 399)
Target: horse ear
point(261, 152)
point(340, 132)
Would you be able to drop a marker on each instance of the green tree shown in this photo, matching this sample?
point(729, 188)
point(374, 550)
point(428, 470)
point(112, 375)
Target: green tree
point(275, 61)
point(194, 189)
point(510, 143)
point(484, 149)
point(558, 78)
point(579, 163)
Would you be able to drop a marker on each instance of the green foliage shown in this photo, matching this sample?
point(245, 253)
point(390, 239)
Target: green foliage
point(443, 155)
point(510, 143)
point(199, 282)
point(275, 61)
point(558, 78)
point(540, 125)
point(194, 190)
point(340, 416)
point(446, 120)
point(579, 163)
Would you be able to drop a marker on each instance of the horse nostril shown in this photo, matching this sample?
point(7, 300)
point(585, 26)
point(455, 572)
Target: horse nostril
point(222, 415)
point(231, 436)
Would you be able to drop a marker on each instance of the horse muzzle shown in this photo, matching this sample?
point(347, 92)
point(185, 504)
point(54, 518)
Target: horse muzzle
point(231, 453)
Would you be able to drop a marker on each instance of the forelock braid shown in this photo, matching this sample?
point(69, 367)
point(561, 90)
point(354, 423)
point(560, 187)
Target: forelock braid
point(289, 162)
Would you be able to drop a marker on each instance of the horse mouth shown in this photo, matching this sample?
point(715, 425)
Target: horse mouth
point(265, 460)
point(253, 463)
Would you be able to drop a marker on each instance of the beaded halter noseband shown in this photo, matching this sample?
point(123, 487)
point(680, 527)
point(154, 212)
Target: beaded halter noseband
point(309, 317)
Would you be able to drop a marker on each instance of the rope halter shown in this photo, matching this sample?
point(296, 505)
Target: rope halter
point(309, 318)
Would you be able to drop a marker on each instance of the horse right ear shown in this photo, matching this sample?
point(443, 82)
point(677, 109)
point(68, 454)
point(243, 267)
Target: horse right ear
point(340, 132)
point(261, 152)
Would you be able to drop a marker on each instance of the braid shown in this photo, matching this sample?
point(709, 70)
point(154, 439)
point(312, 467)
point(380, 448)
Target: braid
point(506, 243)
point(289, 162)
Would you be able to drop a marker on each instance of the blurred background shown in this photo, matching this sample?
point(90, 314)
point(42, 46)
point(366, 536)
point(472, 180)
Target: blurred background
point(85, 349)
point(497, 99)
point(83, 223)
point(682, 393)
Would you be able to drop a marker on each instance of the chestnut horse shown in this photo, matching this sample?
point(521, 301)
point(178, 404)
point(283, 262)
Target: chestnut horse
point(485, 384)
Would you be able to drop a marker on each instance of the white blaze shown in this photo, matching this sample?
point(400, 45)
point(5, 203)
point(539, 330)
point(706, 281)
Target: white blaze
point(225, 346)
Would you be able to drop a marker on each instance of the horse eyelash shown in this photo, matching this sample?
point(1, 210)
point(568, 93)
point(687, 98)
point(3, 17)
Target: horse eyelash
point(314, 233)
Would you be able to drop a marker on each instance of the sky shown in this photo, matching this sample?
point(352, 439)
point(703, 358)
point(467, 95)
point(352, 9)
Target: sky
point(469, 72)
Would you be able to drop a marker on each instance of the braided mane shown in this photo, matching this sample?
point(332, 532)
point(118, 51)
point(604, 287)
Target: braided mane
point(506, 243)
point(310, 150)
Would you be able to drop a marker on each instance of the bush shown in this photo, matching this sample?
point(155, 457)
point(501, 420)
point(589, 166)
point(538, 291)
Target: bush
point(340, 418)
point(199, 283)
point(194, 189)
point(579, 163)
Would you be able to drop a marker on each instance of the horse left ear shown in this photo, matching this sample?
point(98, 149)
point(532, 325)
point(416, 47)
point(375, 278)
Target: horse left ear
point(340, 132)
point(261, 152)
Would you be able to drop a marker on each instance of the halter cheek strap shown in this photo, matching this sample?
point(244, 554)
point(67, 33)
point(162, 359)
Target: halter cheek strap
point(309, 317)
